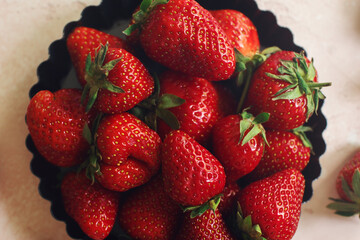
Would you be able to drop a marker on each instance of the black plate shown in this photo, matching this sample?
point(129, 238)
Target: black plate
point(57, 72)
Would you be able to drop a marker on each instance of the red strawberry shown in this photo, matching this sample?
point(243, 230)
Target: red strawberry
point(149, 213)
point(229, 198)
point(55, 122)
point(274, 204)
point(192, 175)
point(84, 40)
point(285, 150)
point(209, 226)
point(285, 85)
point(116, 81)
point(348, 188)
point(185, 37)
point(238, 143)
point(239, 29)
point(93, 207)
point(199, 113)
point(129, 152)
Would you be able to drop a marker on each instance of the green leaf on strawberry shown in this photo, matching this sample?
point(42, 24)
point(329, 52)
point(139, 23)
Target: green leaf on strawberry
point(253, 125)
point(352, 207)
point(246, 227)
point(96, 76)
point(245, 68)
point(300, 76)
point(158, 107)
point(146, 7)
point(301, 133)
point(212, 204)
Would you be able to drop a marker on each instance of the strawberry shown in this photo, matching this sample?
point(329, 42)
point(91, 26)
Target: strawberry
point(116, 80)
point(128, 150)
point(239, 29)
point(82, 41)
point(348, 188)
point(273, 205)
point(185, 37)
point(209, 226)
point(285, 86)
point(199, 113)
point(285, 150)
point(55, 122)
point(149, 213)
point(93, 207)
point(238, 143)
point(192, 175)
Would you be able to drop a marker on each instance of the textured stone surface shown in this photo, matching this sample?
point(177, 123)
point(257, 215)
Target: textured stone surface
point(328, 30)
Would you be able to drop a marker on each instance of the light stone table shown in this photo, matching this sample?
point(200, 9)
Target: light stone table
point(328, 30)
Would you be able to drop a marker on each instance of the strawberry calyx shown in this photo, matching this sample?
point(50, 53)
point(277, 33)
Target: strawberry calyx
point(348, 208)
point(301, 133)
point(92, 165)
point(245, 68)
point(140, 16)
point(96, 76)
point(158, 106)
point(252, 125)
point(300, 77)
point(212, 204)
point(245, 226)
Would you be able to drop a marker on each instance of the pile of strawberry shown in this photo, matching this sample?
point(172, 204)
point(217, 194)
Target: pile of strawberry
point(170, 122)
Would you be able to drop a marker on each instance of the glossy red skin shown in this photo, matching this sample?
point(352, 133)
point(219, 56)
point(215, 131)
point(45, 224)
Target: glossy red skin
point(126, 143)
point(209, 226)
point(84, 40)
point(191, 174)
point(285, 114)
point(185, 37)
point(93, 207)
point(285, 151)
point(347, 172)
point(275, 203)
point(237, 160)
point(55, 122)
point(229, 198)
point(239, 29)
point(149, 213)
point(130, 75)
point(199, 113)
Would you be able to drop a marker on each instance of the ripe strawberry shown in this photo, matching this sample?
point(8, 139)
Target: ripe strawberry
point(274, 204)
point(149, 213)
point(239, 29)
point(192, 175)
point(93, 207)
point(185, 37)
point(285, 150)
point(285, 85)
point(116, 81)
point(84, 40)
point(55, 122)
point(200, 111)
point(209, 226)
point(129, 152)
point(238, 143)
point(348, 188)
